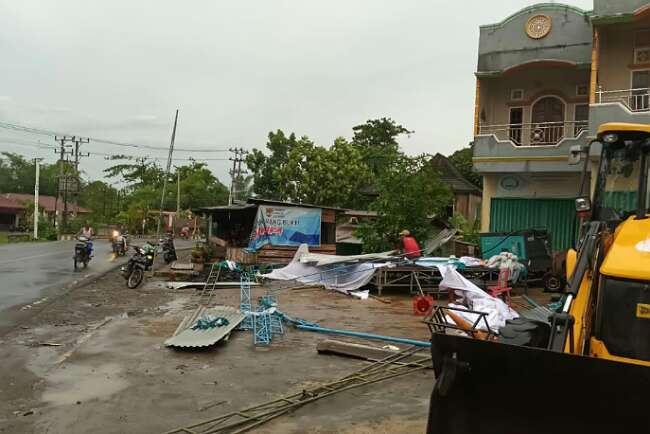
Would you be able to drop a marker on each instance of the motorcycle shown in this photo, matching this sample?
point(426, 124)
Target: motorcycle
point(118, 243)
point(141, 261)
point(169, 250)
point(82, 252)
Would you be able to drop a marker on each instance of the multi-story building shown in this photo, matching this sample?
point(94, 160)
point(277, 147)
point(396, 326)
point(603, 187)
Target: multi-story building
point(547, 77)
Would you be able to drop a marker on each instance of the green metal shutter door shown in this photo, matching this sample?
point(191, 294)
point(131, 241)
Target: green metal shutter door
point(557, 216)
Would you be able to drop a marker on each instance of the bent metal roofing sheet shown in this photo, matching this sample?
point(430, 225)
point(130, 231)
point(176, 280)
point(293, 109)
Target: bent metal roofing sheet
point(185, 337)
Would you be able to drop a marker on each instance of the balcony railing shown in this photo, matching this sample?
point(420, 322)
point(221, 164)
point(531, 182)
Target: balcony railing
point(536, 134)
point(637, 100)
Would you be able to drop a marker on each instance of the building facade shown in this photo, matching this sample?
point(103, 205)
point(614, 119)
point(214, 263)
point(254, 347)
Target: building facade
point(547, 77)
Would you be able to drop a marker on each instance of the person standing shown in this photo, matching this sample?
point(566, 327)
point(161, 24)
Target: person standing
point(408, 245)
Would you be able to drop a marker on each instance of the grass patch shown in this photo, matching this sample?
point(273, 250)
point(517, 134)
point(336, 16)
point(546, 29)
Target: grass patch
point(3, 238)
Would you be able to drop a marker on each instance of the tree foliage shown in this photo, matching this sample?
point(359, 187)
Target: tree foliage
point(462, 160)
point(409, 196)
point(298, 170)
point(17, 175)
point(377, 141)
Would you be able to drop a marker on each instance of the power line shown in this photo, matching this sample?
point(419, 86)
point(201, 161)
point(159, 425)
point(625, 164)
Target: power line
point(41, 145)
point(45, 132)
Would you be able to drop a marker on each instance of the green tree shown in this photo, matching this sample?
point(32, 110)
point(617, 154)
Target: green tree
point(17, 175)
point(409, 196)
point(322, 176)
point(462, 160)
point(142, 172)
point(299, 170)
point(377, 141)
point(268, 170)
point(102, 198)
point(199, 187)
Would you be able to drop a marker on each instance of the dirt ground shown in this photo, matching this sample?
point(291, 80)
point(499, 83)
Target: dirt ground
point(93, 360)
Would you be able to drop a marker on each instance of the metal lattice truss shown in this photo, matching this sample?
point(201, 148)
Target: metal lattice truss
point(396, 365)
point(245, 301)
point(261, 327)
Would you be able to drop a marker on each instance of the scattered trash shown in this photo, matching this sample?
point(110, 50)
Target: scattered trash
point(50, 344)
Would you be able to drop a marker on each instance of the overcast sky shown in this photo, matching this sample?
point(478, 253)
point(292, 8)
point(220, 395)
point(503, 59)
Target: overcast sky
point(237, 69)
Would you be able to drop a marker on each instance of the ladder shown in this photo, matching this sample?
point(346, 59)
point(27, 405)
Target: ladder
point(210, 284)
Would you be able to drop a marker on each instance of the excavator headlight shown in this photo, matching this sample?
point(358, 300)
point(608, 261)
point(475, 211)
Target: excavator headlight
point(610, 137)
point(583, 204)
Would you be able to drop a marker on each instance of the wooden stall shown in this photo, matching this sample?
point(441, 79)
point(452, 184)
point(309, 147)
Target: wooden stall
point(229, 230)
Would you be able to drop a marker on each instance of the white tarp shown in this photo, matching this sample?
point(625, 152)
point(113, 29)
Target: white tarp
point(476, 299)
point(345, 278)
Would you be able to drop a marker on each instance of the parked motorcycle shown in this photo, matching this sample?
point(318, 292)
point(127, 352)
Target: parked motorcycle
point(82, 251)
point(169, 250)
point(141, 261)
point(118, 242)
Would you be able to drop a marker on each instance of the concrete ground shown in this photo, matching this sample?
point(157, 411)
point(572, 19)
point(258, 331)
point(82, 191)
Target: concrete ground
point(93, 360)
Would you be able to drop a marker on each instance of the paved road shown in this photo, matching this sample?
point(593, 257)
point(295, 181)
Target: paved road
point(28, 269)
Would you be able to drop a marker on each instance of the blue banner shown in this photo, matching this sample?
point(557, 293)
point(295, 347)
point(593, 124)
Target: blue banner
point(285, 226)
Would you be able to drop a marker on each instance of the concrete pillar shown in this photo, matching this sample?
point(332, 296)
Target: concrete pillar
point(489, 191)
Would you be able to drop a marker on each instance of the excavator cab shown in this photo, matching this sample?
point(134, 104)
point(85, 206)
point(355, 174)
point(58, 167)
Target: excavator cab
point(587, 368)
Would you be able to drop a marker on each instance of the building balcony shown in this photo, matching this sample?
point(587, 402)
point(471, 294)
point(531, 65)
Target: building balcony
point(635, 100)
point(535, 134)
point(627, 105)
point(528, 148)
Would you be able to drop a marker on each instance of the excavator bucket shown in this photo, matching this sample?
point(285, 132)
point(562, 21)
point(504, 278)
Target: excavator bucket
point(485, 387)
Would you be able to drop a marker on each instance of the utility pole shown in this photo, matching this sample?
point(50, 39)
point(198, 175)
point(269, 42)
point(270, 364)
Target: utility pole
point(77, 155)
point(164, 190)
point(37, 164)
point(236, 171)
point(63, 151)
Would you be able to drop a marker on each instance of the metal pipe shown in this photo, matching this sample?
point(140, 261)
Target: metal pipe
point(365, 335)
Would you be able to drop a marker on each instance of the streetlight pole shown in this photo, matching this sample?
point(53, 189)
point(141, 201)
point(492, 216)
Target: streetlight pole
point(37, 163)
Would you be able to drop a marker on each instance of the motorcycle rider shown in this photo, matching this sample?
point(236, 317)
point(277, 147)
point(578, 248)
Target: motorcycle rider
point(87, 231)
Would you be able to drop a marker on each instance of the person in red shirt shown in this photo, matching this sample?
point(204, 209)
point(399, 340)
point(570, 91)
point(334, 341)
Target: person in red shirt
point(408, 245)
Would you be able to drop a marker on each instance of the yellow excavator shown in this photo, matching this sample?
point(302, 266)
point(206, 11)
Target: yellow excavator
point(587, 368)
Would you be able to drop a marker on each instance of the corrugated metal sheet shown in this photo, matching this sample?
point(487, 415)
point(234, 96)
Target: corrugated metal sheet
point(557, 216)
point(185, 337)
point(620, 200)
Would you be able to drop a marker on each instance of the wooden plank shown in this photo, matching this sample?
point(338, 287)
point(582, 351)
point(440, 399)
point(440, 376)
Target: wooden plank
point(328, 216)
point(359, 351)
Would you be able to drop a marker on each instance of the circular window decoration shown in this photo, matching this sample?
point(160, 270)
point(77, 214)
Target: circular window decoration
point(538, 26)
